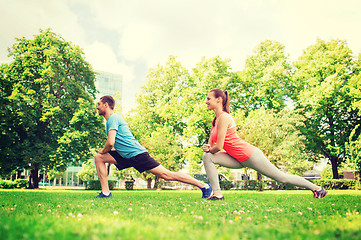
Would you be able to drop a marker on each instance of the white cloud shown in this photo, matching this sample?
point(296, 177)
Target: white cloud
point(149, 31)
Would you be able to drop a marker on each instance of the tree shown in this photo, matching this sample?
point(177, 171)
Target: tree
point(265, 82)
point(159, 100)
point(322, 75)
point(87, 172)
point(164, 146)
point(48, 77)
point(278, 135)
point(207, 75)
point(8, 151)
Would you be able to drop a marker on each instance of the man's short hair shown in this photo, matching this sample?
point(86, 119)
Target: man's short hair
point(108, 99)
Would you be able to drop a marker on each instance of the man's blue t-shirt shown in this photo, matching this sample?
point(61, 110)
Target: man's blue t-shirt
point(125, 143)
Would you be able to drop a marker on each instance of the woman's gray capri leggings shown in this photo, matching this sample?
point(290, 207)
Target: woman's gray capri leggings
point(257, 161)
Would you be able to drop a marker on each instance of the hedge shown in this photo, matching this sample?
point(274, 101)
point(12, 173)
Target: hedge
point(351, 184)
point(18, 183)
point(274, 185)
point(95, 184)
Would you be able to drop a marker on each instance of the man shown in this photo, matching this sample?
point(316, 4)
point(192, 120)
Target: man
point(129, 153)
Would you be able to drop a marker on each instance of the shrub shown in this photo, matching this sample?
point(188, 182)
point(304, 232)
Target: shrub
point(337, 183)
point(95, 184)
point(21, 183)
point(225, 185)
point(129, 185)
point(7, 184)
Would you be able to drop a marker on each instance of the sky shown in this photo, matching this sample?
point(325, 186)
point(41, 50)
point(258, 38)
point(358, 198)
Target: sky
point(130, 37)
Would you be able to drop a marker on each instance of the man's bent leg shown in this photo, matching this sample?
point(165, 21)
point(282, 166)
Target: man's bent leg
point(167, 175)
point(100, 160)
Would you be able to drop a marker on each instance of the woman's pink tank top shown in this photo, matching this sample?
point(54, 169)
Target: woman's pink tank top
point(233, 144)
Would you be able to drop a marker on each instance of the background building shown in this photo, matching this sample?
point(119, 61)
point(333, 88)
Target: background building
point(108, 84)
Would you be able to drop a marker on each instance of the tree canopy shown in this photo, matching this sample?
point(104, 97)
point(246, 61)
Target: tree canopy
point(47, 87)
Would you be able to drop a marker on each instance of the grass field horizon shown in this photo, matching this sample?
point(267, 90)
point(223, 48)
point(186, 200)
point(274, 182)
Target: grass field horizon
point(178, 214)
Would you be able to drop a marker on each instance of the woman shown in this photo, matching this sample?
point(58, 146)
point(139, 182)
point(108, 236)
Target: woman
point(238, 153)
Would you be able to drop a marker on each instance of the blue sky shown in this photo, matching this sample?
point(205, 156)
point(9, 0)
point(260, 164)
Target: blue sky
point(129, 37)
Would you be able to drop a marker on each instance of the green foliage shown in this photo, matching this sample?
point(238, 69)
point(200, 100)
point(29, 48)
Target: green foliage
point(18, 183)
point(7, 184)
point(225, 185)
point(55, 174)
point(21, 183)
point(353, 150)
point(129, 185)
point(125, 173)
point(164, 147)
point(278, 136)
point(323, 74)
point(337, 183)
point(87, 172)
point(95, 184)
point(266, 80)
point(47, 87)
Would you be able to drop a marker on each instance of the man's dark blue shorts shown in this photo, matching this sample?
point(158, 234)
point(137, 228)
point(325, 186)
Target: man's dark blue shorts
point(142, 162)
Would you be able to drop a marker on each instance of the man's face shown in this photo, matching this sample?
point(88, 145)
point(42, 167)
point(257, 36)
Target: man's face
point(101, 108)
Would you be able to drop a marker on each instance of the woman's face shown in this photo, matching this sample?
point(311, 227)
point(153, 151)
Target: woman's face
point(211, 101)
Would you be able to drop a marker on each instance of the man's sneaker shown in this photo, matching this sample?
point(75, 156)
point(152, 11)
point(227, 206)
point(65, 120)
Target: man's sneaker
point(319, 193)
point(101, 195)
point(215, 198)
point(207, 192)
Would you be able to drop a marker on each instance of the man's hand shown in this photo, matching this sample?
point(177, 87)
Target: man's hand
point(101, 151)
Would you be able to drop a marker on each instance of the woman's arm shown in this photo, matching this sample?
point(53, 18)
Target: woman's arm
point(223, 123)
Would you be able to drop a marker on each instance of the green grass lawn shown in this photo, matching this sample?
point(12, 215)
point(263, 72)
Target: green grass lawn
point(75, 214)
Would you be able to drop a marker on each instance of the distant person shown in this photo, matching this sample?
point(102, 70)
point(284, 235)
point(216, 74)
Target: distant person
point(128, 152)
point(238, 153)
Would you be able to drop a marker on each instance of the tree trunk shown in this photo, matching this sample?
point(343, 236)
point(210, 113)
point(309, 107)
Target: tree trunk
point(149, 183)
point(156, 182)
point(260, 184)
point(34, 178)
point(334, 167)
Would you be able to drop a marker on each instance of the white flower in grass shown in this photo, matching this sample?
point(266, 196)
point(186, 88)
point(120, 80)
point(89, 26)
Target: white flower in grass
point(58, 206)
point(142, 208)
point(115, 213)
point(309, 208)
point(230, 221)
point(79, 215)
point(49, 210)
point(300, 213)
point(39, 204)
point(130, 209)
point(249, 219)
point(184, 209)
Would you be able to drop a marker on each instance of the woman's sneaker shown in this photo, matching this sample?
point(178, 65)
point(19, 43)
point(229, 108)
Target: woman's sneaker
point(319, 193)
point(215, 198)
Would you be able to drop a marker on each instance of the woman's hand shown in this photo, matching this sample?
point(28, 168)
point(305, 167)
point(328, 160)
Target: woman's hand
point(206, 147)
